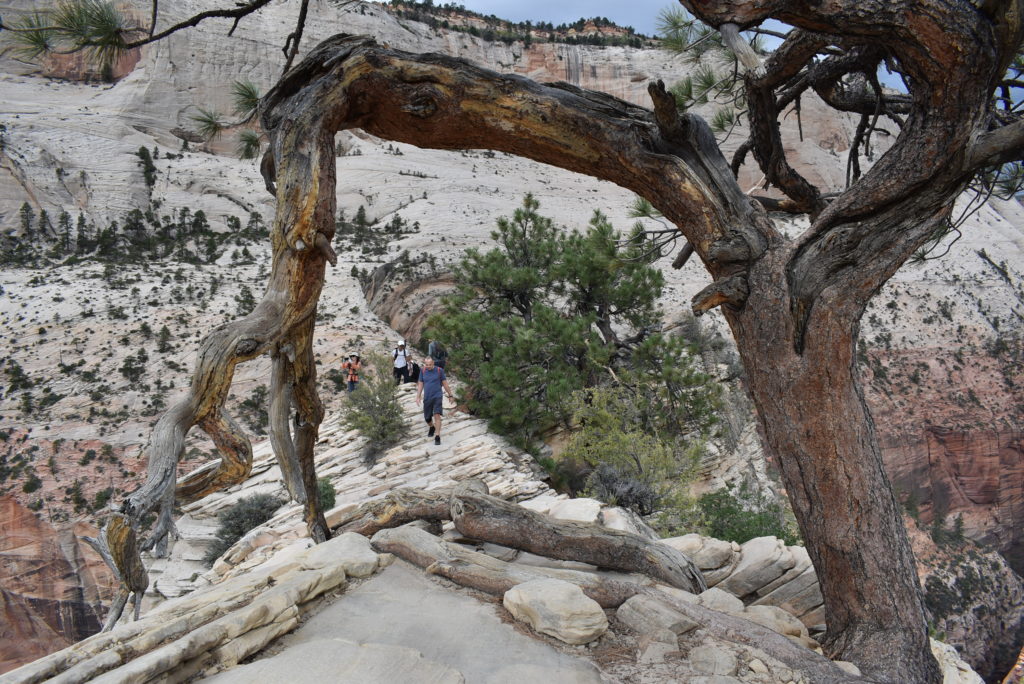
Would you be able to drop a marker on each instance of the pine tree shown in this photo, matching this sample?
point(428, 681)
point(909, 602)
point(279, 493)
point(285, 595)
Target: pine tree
point(28, 218)
point(544, 315)
point(64, 231)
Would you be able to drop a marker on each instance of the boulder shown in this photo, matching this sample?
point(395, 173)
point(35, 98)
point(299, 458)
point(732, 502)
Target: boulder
point(954, 670)
point(803, 562)
point(712, 660)
point(762, 560)
point(800, 596)
point(645, 615)
point(719, 600)
point(847, 666)
point(350, 551)
point(775, 619)
point(581, 510)
point(706, 553)
point(627, 521)
point(557, 608)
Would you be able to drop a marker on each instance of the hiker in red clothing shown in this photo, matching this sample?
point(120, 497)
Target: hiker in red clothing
point(351, 369)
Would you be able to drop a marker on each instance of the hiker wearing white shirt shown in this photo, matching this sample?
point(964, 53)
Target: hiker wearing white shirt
point(403, 363)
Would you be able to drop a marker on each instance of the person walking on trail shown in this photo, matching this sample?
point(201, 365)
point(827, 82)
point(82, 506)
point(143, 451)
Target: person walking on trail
point(402, 363)
point(432, 381)
point(351, 367)
point(437, 351)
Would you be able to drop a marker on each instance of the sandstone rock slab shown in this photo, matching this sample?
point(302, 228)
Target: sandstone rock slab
point(645, 614)
point(719, 600)
point(350, 663)
point(762, 560)
point(706, 552)
point(775, 619)
point(580, 510)
point(350, 551)
point(557, 608)
point(712, 660)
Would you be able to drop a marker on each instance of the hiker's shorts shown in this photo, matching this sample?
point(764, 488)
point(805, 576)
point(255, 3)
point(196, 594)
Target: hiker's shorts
point(432, 407)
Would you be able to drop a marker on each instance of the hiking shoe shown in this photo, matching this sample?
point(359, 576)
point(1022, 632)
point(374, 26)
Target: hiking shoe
point(437, 440)
point(430, 432)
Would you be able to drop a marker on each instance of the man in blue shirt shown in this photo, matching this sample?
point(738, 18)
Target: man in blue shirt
point(432, 381)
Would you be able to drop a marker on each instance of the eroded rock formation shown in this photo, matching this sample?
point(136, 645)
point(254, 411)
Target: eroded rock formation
point(52, 590)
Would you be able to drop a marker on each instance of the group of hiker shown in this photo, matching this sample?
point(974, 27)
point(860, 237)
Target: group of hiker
point(430, 379)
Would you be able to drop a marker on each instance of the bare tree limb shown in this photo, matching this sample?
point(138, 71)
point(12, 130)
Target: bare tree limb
point(1001, 146)
point(236, 14)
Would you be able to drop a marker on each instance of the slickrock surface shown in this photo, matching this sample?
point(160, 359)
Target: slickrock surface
point(402, 621)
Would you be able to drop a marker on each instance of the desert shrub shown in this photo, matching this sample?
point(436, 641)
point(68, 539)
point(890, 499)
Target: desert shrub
point(373, 408)
point(254, 410)
point(239, 519)
point(633, 466)
point(546, 312)
point(32, 484)
point(618, 487)
point(338, 379)
point(740, 515)
point(325, 495)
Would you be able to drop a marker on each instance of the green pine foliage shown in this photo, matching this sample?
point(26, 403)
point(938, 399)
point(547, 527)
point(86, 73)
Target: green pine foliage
point(138, 236)
point(249, 145)
point(245, 96)
point(95, 27)
point(716, 79)
point(373, 408)
point(325, 494)
point(547, 314)
point(740, 515)
point(209, 124)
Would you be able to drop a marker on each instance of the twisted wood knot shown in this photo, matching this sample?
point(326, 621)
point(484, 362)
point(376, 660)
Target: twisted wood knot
point(731, 249)
point(246, 346)
point(732, 290)
point(423, 105)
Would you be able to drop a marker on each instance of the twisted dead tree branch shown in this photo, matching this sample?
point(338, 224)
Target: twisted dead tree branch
point(478, 515)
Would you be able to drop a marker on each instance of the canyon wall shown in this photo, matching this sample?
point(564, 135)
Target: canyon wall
point(53, 592)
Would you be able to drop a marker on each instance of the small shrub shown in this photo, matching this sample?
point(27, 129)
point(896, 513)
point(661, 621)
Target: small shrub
point(325, 495)
point(338, 379)
point(374, 410)
point(741, 515)
point(239, 519)
point(102, 497)
point(32, 484)
point(254, 410)
point(618, 487)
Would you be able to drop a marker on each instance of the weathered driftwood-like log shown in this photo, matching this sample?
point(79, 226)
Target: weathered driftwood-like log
point(399, 507)
point(478, 515)
point(302, 147)
point(490, 575)
point(481, 516)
